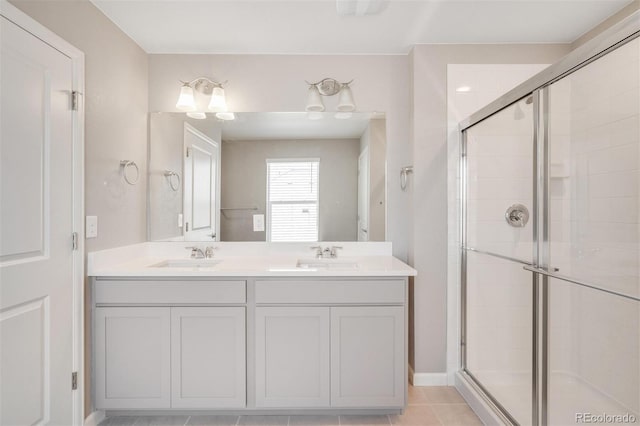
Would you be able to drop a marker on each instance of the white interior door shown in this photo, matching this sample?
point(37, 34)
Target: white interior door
point(201, 185)
point(36, 226)
point(363, 195)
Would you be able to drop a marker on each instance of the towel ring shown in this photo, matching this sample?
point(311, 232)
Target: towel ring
point(404, 174)
point(170, 174)
point(124, 164)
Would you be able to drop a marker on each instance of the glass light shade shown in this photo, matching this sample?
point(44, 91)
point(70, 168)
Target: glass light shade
point(343, 115)
point(186, 101)
point(218, 101)
point(314, 100)
point(315, 115)
point(226, 116)
point(345, 100)
point(197, 115)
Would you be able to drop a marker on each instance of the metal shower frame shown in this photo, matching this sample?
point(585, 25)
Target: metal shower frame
point(538, 87)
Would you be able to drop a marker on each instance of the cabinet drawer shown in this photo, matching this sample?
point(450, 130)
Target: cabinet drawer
point(330, 291)
point(169, 292)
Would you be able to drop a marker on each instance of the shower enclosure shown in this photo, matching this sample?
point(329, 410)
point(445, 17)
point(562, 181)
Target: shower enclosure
point(550, 275)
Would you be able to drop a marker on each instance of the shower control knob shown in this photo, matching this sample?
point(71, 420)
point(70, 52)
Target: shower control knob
point(517, 215)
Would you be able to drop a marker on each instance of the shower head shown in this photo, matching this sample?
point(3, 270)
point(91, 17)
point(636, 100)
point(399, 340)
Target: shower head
point(529, 100)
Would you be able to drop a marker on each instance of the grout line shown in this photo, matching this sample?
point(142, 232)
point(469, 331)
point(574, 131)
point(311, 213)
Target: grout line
point(389, 419)
point(339, 421)
point(238, 420)
point(288, 420)
point(187, 422)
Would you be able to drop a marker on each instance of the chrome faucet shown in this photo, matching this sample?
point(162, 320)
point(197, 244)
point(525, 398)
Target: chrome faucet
point(196, 253)
point(318, 250)
point(208, 252)
point(326, 253)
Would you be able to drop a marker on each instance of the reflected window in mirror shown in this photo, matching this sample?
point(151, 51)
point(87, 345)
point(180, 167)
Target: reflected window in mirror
point(292, 198)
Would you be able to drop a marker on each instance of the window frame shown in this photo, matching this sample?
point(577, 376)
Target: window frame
point(268, 203)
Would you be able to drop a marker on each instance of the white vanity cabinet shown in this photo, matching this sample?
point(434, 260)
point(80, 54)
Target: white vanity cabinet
point(132, 357)
point(292, 357)
point(175, 356)
point(208, 357)
point(367, 356)
point(350, 352)
point(257, 344)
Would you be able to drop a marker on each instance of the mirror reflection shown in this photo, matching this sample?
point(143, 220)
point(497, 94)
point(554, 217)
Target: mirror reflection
point(267, 177)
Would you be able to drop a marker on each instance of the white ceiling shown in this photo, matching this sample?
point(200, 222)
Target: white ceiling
point(314, 27)
point(293, 125)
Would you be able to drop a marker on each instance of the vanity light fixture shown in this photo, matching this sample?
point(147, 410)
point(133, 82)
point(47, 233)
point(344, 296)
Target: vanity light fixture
point(330, 87)
point(217, 103)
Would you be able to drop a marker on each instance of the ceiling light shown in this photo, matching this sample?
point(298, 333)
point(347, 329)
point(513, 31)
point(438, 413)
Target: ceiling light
point(329, 87)
point(217, 103)
point(463, 89)
point(314, 101)
point(197, 115)
point(345, 100)
point(186, 102)
point(343, 115)
point(225, 116)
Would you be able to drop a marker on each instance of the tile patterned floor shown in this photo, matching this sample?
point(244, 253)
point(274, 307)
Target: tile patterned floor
point(437, 406)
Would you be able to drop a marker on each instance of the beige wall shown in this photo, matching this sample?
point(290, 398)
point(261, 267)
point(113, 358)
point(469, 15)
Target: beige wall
point(428, 250)
point(276, 83)
point(244, 183)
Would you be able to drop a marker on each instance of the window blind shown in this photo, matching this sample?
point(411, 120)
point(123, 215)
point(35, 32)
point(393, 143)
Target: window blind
point(292, 198)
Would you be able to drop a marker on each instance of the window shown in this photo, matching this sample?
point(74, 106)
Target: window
point(292, 200)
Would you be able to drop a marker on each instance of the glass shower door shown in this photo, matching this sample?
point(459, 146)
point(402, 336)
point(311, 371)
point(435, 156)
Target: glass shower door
point(499, 241)
point(594, 241)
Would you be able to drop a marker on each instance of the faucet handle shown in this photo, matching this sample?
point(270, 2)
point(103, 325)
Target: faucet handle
point(208, 252)
point(318, 250)
point(334, 250)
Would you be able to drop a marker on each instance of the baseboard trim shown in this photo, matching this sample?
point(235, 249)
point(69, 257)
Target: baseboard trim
point(95, 418)
point(429, 379)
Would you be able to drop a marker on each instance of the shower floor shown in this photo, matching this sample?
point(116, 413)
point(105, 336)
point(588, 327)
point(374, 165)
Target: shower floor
point(567, 397)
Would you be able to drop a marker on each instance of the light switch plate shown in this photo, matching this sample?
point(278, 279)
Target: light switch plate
point(258, 223)
point(91, 227)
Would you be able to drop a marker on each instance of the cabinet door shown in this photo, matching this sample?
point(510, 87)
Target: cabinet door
point(292, 357)
point(132, 358)
point(208, 357)
point(368, 357)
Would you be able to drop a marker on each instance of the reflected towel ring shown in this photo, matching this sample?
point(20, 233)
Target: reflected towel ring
point(124, 164)
point(170, 174)
point(404, 174)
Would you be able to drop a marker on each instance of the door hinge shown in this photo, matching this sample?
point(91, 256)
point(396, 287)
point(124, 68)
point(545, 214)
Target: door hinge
point(74, 380)
point(74, 241)
point(188, 152)
point(186, 227)
point(75, 100)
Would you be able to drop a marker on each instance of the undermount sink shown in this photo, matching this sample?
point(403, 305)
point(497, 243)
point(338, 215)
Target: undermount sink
point(187, 263)
point(326, 264)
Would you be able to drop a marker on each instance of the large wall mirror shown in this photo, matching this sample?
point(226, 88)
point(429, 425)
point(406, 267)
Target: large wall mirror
point(267, 177)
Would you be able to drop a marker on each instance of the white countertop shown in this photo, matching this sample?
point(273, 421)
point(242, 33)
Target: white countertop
point(261, 260)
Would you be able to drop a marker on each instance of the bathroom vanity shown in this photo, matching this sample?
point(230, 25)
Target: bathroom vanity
point(262, 331)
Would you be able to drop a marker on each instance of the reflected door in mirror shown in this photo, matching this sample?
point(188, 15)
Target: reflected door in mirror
point(201, 185)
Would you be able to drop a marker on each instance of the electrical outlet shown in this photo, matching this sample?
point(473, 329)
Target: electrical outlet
point(91, 227)
point(258, 223)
